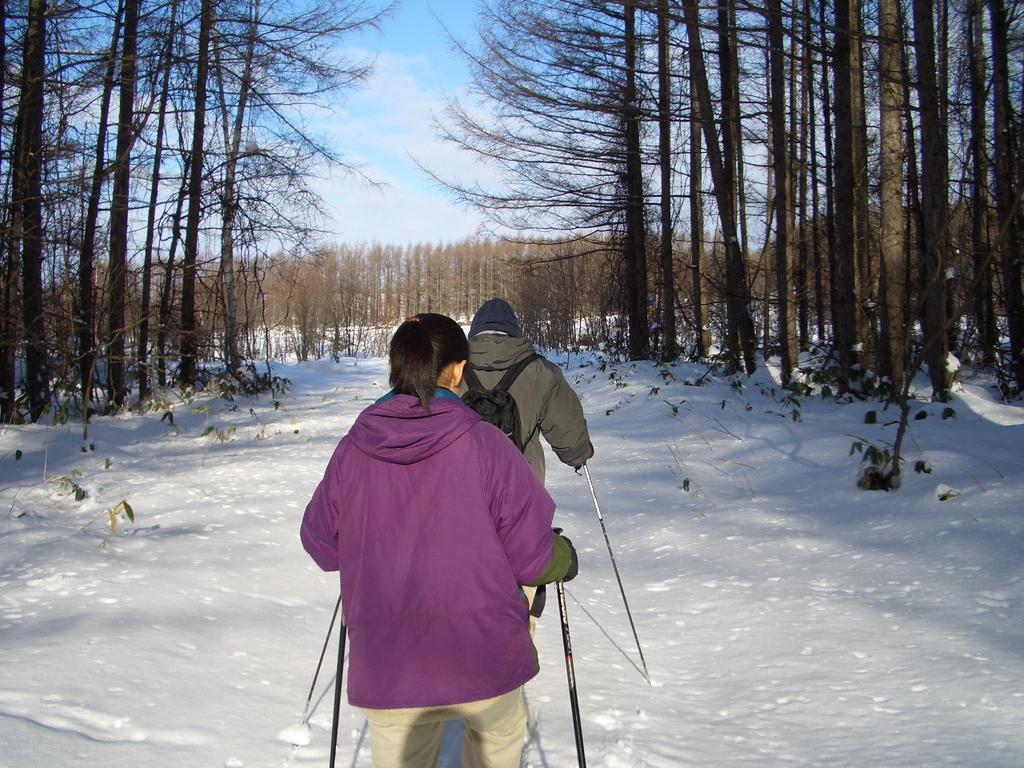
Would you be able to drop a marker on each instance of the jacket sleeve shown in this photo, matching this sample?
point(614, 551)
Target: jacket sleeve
point(558, 566)
point(521, 509)
point(319, 531)
point(562, 421)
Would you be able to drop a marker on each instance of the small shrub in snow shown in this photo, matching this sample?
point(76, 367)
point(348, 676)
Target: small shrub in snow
point(878, 472)
point(222, 435)
point(120, 511)
point(68, 484)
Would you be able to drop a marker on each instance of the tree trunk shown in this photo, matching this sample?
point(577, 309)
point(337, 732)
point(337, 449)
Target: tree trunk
point(732, 128)
point(28, 196)
point(894, 335)
point(635, 240)
point(783, 194)
point(117, 272)
point(164, 312)
point(981, 257)
point(730, 117)
point(914, 218)
point(154, 196)
point(736, 290)
point(701, 294)
point(804, 127)
point(849, 242)
point(830, 205)
point(9, 325)
point(1008, 202)
point(229, 202)
point(9, 331)
point(669, 350)
point(865, 312)
point(86, 313)
point(189, 343)
point(933, 201)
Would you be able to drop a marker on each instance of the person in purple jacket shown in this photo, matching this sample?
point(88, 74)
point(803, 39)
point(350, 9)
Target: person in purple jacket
point(435, 521)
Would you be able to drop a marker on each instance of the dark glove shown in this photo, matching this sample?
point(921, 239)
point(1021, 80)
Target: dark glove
point(540, 599)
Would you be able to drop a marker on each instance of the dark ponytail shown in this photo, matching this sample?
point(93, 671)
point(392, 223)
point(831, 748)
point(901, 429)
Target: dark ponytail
point(420, 349)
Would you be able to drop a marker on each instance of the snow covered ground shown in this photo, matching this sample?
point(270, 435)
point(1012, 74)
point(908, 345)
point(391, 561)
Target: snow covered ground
point(787, 618)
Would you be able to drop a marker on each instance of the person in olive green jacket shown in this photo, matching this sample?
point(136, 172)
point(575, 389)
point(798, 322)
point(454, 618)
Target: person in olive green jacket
point(547, 405)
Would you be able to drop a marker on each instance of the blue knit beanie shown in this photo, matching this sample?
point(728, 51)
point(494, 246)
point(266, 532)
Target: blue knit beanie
point(495, 315)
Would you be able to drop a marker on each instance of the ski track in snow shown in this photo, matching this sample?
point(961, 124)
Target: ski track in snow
point(53, 713)
point(786, 618)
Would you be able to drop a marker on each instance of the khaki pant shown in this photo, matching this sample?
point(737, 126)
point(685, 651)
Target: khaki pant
point(411, 738)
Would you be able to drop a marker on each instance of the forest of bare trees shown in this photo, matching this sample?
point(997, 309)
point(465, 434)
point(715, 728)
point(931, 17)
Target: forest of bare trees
point(728, 182)
point(864, 161)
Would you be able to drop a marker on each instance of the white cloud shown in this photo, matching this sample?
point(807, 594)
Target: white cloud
point(392, 212)
point(385, 128)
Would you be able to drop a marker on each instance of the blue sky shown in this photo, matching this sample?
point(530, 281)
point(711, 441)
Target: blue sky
point(389, 122)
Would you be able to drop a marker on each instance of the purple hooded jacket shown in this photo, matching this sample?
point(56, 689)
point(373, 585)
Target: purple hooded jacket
point(434, 520)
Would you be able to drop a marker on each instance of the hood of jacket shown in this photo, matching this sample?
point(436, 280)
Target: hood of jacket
point(398, 430)
point(495, 352)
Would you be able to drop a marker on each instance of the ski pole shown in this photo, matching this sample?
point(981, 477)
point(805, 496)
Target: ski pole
point(570, 672)
point(323, 652)
point(615, 567)
point(343, 633)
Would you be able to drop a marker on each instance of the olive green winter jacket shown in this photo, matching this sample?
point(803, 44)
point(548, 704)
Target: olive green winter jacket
point(547, 404)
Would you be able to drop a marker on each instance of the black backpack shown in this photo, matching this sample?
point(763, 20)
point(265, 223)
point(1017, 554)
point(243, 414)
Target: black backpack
point(497, 406)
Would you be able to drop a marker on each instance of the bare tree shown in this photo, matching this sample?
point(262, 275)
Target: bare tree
point(732, 126)
point(849, 160)
point(784, 227)
point(164, 71)
point(635, 236)
point(9, 325)
point(270, 60)
point(1007, 189)
point(981, 246)
point(828, 136)
point(700, 289)
point(85, 319)
point(118, 264)
point(803, 130)
point(232, 128)
point(933, 234)
point(891, 237)
point(27, 196)
point(669, 346)
point(564, 132)
point(740, 322)
point(189, 344)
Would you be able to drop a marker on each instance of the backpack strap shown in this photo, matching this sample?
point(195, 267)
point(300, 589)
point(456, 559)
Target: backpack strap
point(510, 375)
point(472, 380)
point(506, 381)
point(513, 373)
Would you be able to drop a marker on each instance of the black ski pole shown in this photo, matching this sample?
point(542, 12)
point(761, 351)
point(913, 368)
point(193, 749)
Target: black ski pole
point(570, 671)
point(615, 567)
point(323, 652)
point(343, 633)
